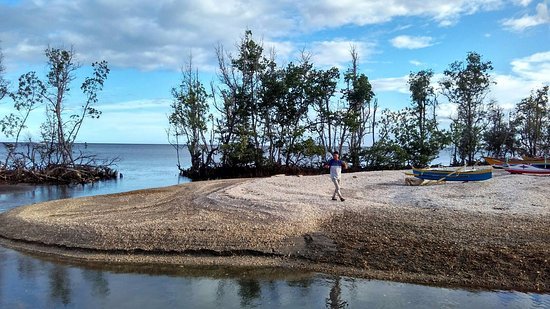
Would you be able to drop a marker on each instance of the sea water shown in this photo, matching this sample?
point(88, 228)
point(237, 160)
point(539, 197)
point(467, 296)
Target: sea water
point(30, 281)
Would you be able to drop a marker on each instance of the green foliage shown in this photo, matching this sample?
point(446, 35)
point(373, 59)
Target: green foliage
point(241, 120)
point(271, 116)
point(3, 82)
point(190, 118)
point(532, 122)
point(466, 85)
point(241, 153)
point(416, 128)
point(93, 85)
point(499, 135)
point(290, 114)
point(59, 131)
point(358, 117)
point(386, 152)
point(51, 160)
point(28, 96)
point(412, 134)
point(384, 155)
point(321, 91)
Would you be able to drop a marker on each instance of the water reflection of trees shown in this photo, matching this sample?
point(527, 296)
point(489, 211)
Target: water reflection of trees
point(59, 276)
point(60, 284)
point(26, 267)
point(2, 265)
point(304, 285)
point(100, 285)
point(249, 291)
point(220, 292)
point(334, 299)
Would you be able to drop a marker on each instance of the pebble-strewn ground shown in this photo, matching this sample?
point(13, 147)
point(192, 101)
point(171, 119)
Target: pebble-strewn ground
point(491, 234)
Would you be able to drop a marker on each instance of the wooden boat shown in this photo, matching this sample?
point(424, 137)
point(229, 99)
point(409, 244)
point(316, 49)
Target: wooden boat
point(494, 161)
point(453, 174)
point(503, 163)
point(527, 169)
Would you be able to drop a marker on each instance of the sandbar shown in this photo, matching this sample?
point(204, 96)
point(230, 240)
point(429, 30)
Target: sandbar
point(493, 234)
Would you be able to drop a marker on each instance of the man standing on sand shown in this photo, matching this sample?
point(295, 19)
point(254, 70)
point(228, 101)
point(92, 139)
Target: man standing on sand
point(336, 165)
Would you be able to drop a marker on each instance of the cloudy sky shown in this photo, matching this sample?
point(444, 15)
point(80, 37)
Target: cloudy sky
point(147, 42)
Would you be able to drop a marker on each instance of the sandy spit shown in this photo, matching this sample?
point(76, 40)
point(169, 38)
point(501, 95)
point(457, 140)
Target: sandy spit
point(493, 234)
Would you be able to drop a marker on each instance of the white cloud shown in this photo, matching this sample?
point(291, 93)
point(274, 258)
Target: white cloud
point(399, 84)
point(137, 106)
point(140, 34)
point(328, 13)
point(337, 53)
point(522, 2)
point(541, 17)
point(534, 68)
point(529, 73)
point(446, 111)
point(411, 42)
point(152, 35)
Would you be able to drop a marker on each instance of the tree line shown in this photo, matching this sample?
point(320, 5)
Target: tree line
point(261, 118)
point(53, 158)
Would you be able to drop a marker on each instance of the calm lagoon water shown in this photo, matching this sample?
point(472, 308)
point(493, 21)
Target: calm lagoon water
point(28, 281)
point(142, 166)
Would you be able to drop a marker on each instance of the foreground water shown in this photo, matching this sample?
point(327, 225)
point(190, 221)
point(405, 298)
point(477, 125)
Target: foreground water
point(30, 282)
point(37, 282)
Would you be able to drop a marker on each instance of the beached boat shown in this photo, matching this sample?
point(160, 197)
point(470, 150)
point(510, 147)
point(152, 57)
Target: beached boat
point(453, 174)
point(527, 169)
point(503, 163)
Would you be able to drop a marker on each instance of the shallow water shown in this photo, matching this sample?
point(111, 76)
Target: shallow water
point(31, 282)
point(28, 281)
point(141, 166)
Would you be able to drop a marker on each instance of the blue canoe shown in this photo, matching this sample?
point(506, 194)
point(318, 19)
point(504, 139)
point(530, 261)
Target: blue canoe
point(453, 174)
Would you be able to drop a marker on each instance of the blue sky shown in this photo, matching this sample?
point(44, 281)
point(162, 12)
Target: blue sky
point(147, 42)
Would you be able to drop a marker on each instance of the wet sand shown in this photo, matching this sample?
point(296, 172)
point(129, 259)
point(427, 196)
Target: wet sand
point(492, 235)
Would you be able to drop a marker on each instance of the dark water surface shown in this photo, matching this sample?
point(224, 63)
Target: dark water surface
point(28, 281)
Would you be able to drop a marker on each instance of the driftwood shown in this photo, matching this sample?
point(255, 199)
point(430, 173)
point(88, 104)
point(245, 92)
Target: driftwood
point(413, 181)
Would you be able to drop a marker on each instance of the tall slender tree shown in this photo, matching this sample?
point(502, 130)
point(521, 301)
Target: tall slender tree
point(499, 136)
point(189, 118)
point(3, 82)
point(53, 159)
point(29, 95)
point(271, 98)
point(61, 129)
point(532, 122)
point(360, 112)
point(386, 152)
point(325, 123)
point(466, 84)
point(416, 129)
point(240, 121)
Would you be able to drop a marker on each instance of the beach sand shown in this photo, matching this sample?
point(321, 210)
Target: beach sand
point(493, 234)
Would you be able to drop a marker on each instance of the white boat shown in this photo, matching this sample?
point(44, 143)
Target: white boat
point(526, 169)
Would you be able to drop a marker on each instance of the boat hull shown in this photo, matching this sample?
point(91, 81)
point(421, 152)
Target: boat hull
point(503, 163)
point(527, 169)
point(453, 175)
